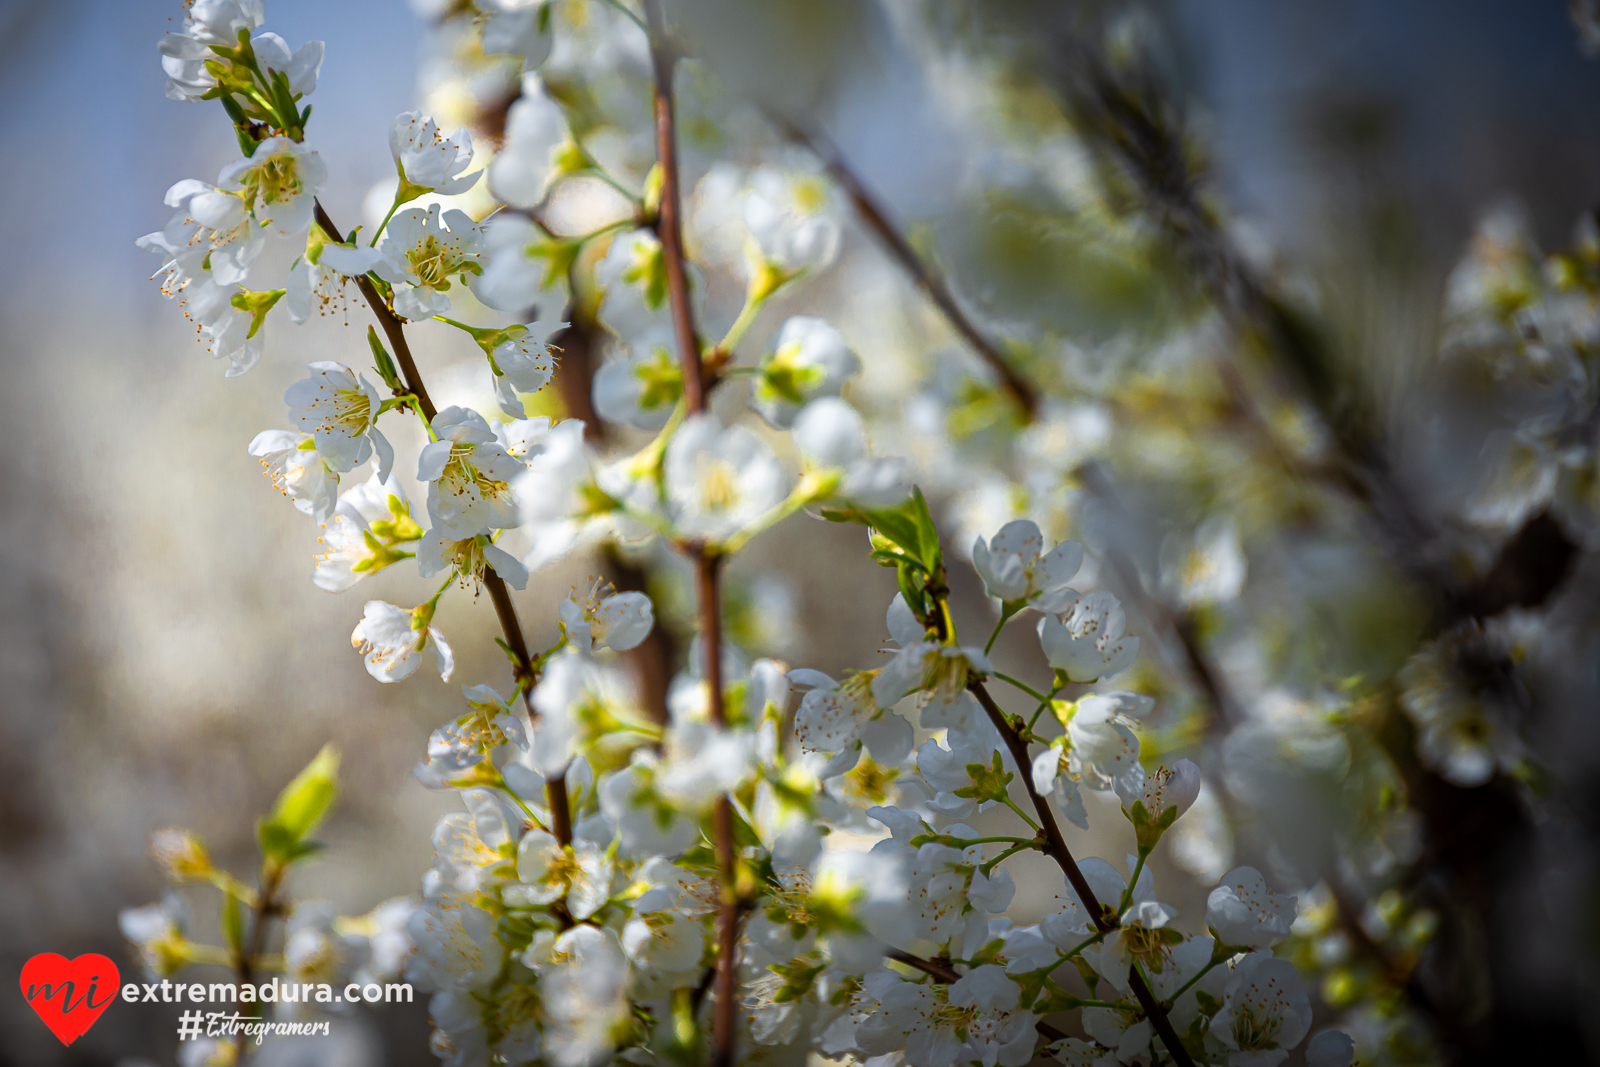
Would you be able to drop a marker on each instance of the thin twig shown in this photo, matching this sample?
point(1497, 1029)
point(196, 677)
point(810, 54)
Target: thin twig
point(267, 906)
point(707, 561)
point(1056, 846)
point(555, 787)
point(669, 223)
point(876, 218)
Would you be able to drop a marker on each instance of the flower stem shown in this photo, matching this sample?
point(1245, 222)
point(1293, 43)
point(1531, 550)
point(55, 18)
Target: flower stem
point(379, 231)
point(1021, 814)
point(1005, 617)
point(1045, 703)
point(1030, 690)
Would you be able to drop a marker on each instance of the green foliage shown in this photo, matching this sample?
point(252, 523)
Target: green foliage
point(299, 809)
point(906, 538)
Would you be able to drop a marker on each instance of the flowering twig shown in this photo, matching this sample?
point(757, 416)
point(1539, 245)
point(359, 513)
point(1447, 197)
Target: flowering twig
point(707, 561)
point(1056, 847)
point(499, 595)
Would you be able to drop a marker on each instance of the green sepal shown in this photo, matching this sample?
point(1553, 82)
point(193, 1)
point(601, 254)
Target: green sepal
point(988, 783)
point(797, 979)
point(257, 303)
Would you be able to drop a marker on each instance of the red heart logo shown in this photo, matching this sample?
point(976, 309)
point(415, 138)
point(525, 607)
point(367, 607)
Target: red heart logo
point(67, 994)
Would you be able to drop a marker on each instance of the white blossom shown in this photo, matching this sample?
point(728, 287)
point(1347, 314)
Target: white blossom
point(468, 558)
point(1209, 569)
point(719, 480)
point(640, 390)
point(584, 991)
point(536, 129)
point(293, 464)
point(579, 873)
point(976, 1019)
point(392, 645)
point(422, 250)
point(455, 944)
point(279, 184)
point(1331, 1048)
point(469, 475)
point(793, 218)
point(212, 234)
point(922, 663)
point(809, 359)
point(832, 437)
point(157, 932)
point(1242, 911)
point(599, 618)
point(364, 534)
point(519, 27)
point(339, 409)
point(523, 361)
point(429, 161)
point(1265, 1012)
point(1016, 570)
point(1105, 750)
point(1087, 642)
point(512, 275)
point(1163, 789)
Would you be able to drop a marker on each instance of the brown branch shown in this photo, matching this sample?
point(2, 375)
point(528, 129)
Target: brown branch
point(1056, 846)
point(556, 787)
point(267, 906)
point(669, 223)
point(876, 218)
point(707, 560)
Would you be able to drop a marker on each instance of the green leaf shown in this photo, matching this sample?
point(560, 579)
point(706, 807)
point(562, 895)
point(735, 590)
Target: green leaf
point(928, 531)
point(299, 809)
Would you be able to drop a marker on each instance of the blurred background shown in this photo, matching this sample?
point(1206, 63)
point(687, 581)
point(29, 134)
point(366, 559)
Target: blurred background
point(164, 657)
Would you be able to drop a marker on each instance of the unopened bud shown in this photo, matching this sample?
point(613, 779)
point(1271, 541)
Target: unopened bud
point(181, 855)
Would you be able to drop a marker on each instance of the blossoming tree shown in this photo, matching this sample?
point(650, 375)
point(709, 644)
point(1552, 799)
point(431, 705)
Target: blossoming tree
point(759, 861)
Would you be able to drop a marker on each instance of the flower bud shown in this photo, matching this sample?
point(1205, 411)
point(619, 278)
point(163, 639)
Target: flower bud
point(181, 855)
point(1165, 795)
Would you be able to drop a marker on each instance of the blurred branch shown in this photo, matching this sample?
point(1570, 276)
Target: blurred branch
point(876, 218)
point(1124, 115)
